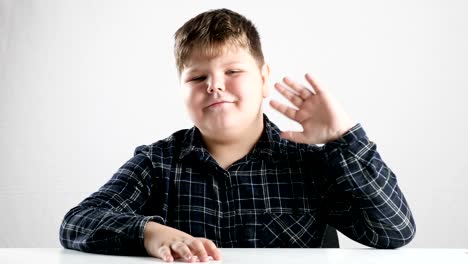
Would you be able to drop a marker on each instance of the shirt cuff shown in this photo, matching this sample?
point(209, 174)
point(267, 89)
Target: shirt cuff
point(353, 135)
point(141, 227)
point(344, 153)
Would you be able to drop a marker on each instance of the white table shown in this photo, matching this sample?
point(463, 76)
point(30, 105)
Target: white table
point(247, 256)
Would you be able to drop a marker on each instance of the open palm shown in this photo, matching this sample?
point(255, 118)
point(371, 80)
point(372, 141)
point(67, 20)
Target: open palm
point(321, 116)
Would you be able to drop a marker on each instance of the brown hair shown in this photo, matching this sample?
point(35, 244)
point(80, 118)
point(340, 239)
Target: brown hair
point(212, 31)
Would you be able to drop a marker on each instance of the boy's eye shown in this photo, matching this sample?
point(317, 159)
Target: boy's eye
point(196, 79)
point(232, 71)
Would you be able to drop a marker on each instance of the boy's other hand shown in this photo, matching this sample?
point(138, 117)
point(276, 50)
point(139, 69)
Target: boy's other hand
point(169, 244)
point(321, 116)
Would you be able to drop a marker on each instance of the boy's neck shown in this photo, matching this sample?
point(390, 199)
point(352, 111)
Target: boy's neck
point(227, 150)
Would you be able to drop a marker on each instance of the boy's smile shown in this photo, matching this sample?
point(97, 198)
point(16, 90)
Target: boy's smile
point(218, 104)
point(224, 93)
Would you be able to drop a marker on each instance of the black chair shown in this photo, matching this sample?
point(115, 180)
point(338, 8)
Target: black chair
point(330, 238)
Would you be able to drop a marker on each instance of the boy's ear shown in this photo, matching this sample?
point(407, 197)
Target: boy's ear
point(265, 72)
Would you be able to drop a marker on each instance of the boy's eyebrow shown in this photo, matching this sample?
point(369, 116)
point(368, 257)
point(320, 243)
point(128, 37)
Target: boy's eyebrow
point(192, 70)
point(195, 69)
point(232, 62)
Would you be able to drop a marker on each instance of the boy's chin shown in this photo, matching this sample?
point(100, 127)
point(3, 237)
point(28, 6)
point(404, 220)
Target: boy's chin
point(223, 126)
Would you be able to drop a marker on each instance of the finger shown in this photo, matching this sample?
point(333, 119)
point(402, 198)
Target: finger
point(164, 253)
point(211, 249)
point(313, 82)
point(284, 109)
point(182, 250)
point(294, 136)
point(198, 249)
point(297, 87)
point(292, 97)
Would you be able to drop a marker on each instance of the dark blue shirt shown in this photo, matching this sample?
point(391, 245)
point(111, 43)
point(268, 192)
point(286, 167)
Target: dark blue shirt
point(281, 194)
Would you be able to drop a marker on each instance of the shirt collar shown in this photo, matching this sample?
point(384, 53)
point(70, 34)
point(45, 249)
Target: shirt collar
point(192, 144)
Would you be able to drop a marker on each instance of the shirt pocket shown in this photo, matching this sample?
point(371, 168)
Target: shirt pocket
point(291, 230)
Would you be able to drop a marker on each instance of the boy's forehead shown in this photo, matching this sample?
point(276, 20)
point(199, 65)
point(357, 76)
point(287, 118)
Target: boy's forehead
point(224, 57)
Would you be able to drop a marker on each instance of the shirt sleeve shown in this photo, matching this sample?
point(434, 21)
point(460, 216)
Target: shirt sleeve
point(112, 220)
point(363, 200)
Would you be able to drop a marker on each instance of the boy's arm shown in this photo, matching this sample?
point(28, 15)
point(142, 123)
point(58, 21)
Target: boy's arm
point(118, 219)
point(364, 201)
point(112, 220)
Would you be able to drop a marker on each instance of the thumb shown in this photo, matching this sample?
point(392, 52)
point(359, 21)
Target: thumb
point(295, 136)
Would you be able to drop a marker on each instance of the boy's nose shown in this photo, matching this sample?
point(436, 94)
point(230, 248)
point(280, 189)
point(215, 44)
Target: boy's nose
point(215, 86)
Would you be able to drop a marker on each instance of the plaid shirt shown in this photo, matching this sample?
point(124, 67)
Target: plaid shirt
point(281, 194)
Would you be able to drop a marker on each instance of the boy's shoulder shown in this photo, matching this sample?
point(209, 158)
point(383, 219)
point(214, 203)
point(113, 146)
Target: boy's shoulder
point(169, 146)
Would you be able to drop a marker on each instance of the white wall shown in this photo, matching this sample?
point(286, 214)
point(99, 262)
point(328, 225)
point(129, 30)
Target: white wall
point(82, 83)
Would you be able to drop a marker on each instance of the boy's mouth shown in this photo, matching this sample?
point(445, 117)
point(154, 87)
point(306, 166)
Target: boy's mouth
point(218, 103)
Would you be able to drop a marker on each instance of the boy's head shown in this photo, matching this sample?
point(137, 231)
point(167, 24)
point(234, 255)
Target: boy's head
point(222, 72)
point(212, 31)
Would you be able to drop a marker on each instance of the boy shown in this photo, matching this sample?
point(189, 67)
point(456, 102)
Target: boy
point(235, 180)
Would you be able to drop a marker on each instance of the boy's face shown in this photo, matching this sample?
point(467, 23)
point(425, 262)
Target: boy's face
point(224, 92)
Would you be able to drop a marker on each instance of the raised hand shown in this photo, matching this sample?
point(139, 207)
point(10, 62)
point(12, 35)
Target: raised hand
point(321, 116)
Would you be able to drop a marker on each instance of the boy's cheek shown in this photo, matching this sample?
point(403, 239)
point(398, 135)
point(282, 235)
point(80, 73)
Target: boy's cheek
point(195, 103)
